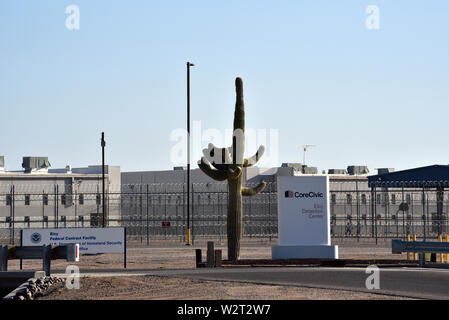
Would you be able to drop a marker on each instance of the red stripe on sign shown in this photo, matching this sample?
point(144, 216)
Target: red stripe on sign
point(76, 250)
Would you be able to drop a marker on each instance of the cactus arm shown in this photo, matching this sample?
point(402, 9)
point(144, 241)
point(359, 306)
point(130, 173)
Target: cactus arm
point(221, 155)
point(248, 162)
point(209, 156)
point(227, 155)
point(234, 173)
point(230, 155)
point(218, 175)
point(253, 191)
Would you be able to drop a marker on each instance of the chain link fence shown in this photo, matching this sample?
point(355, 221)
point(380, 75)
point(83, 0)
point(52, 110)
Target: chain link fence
point(157, 212)
point(389, 213)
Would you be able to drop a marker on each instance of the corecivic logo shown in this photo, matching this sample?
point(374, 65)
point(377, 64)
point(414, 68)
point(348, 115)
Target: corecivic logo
point(311, 194)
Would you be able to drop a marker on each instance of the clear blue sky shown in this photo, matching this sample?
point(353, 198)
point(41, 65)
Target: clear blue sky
point(311, 69)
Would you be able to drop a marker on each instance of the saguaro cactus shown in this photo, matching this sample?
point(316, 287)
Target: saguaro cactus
point(227, 164)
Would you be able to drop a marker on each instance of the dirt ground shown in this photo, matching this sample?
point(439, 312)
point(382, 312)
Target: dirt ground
point(163, 255)
point(172, 288)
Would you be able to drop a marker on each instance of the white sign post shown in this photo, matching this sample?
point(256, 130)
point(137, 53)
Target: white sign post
point(303, 218)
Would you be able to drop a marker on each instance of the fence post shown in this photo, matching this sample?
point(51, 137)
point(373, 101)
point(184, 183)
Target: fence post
point(414, 254)
point(55, 222)
point(107, 205)
point(198, 257)
point(165, 210)
point(408, 253)
point(43, 208)
point(148, 213)
point(140, 212)
point(21, 244)
point(97, 197)
point(249, 224)
point(218, 217)
point(424, 212)
point(375, 211)
point(357, 207)
point(372, 211)
point(46, 259)
point(403, 214)
point(422, 260)
point(11, 214)
point(269, 210)
point(184, 231)
point(217, 257)
point(3, 258)
point(210, 254)
point(191, 215)
point(440, 201)
point(447, 255)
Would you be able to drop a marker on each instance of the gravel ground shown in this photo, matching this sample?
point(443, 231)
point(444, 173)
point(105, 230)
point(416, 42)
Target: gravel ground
point(173, 288)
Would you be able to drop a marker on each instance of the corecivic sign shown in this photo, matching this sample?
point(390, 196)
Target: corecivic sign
point(303, 218)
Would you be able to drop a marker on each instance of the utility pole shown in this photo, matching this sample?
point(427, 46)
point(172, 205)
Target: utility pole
point(103, 144)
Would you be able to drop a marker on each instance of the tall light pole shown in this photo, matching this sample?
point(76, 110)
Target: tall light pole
point(188, 151)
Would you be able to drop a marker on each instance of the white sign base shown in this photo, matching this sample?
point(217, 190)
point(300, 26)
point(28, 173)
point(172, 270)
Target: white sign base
point(305, 252)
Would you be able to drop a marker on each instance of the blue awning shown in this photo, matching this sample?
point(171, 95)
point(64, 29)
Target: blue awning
point(428, 177)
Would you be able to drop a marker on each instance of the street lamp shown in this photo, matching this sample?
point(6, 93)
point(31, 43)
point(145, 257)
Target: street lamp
point(188, 151)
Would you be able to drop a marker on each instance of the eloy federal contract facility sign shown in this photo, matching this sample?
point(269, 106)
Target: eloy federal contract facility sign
point(90, 240)
point(303, 218)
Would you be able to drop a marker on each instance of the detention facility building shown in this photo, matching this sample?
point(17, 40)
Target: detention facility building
point(152, 204)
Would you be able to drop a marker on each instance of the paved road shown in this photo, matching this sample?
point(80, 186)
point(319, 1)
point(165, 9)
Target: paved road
point(410, 283)
point(417, 283)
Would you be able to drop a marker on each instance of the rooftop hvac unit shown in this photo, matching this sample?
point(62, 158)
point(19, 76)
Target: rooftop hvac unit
point(353, 170)
point(309, 170)
point(35, 164)
point(337, 171)
point(295, 165)
point(385, 170)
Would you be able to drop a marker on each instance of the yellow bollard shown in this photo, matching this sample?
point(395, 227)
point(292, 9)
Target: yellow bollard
point(440, 239)
point(408, 253)
point(188, 237)
point(414, 254)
